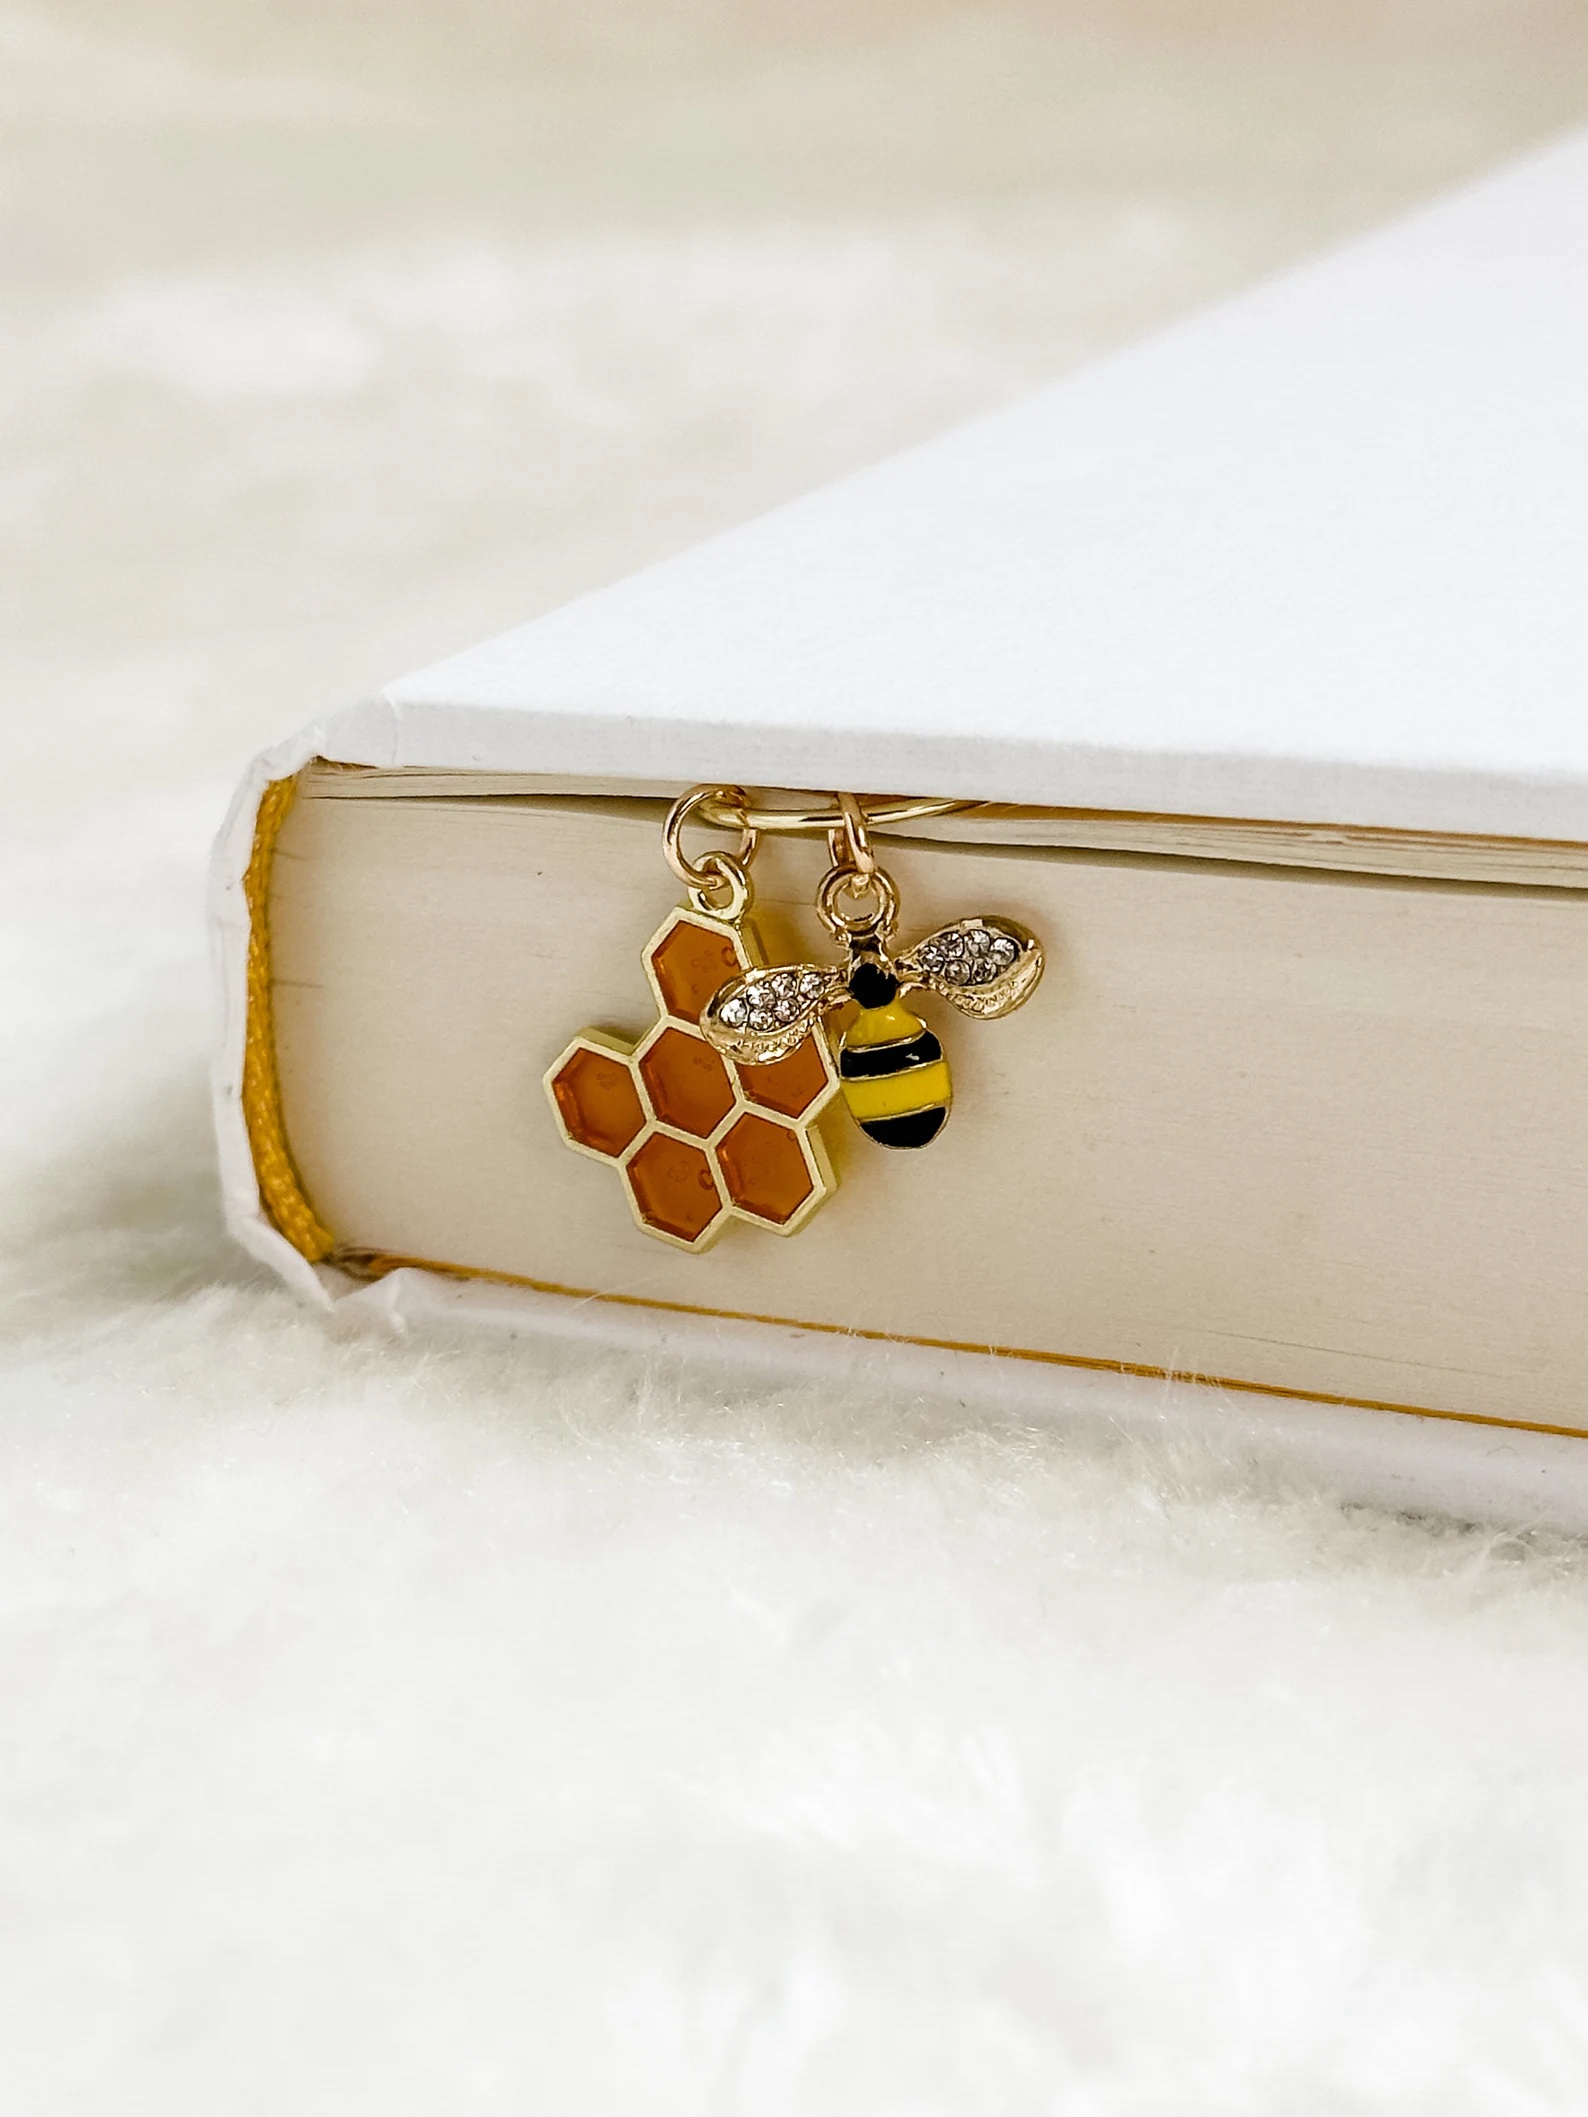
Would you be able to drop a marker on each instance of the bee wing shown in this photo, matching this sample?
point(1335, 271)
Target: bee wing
point(985, 966)
point(763, 1016)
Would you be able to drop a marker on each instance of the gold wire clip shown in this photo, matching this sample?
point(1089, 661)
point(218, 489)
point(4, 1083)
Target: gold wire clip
point(731, 809)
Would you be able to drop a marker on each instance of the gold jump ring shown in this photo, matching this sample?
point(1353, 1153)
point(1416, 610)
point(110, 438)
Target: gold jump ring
point(714, 871)
point(858, 925)
point(848, 842)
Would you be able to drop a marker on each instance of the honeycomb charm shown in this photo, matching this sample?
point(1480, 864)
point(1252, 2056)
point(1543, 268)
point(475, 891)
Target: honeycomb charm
point(698, 1139)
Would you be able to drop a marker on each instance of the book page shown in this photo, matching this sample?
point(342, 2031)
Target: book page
point(1312, 1132)
point(1431, 855)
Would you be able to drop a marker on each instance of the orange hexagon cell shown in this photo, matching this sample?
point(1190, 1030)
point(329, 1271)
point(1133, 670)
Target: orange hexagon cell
point(792, 1085)
point(672, 1187)
point(692, 963)
point(598, 1100)
point(766, 1173)
point(687, 1082)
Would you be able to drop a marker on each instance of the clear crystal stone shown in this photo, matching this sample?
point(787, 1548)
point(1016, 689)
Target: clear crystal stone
point(735, 1013)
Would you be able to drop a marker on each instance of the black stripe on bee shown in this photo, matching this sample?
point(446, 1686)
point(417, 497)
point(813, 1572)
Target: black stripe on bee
point(870, 1062)
point(916, 1128)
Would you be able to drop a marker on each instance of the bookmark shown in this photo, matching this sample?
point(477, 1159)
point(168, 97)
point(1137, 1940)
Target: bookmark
point(712, 1115)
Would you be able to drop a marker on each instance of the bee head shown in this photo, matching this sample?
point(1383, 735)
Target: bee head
point(872, 984)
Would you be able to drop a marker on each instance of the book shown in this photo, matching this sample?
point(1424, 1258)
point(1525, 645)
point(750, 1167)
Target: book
point(1252, 659)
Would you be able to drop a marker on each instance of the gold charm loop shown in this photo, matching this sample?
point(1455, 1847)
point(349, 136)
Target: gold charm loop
point(724, 872)
point(858, 923)
point(849, 842)
point(856, 876)
point(717, 882)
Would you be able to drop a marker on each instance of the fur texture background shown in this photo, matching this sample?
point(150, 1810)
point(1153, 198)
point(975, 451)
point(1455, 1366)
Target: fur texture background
point(405, 1727)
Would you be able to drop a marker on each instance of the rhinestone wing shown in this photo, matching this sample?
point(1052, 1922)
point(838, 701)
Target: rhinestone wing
point(985, 966)
point(766, 1014)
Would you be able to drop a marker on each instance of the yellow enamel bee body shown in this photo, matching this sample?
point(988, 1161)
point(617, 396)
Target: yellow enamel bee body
point(894, 1076)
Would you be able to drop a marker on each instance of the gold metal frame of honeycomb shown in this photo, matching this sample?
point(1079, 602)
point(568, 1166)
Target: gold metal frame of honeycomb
point(712, 1115)
point(699, 1139)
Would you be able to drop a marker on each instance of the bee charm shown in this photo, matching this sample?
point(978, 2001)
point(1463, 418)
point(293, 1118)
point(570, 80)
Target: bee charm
point(894, 1077)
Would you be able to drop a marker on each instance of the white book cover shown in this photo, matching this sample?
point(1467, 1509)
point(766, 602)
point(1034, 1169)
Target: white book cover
point(1318, 554)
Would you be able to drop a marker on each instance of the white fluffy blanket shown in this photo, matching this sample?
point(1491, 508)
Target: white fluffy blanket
point(396, 1727)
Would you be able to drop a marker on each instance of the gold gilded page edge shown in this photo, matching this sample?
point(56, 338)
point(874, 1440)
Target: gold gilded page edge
point(281, 1191)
